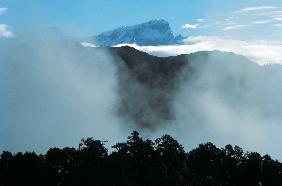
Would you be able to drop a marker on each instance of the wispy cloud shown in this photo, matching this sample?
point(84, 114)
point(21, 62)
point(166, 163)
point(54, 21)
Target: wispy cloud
point(256, 9)
point(250, 16)
point(277, 25)
point(87, 44)
point(3, 10)
point(200, 20)
point(262, 22)
point(226, 22)
point(234, 27)
point(246, 19)
point(277, 17)
point(190, 26)
point(5, 32)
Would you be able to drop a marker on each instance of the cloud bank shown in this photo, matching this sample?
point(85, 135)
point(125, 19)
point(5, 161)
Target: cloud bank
point(218, 97)
point(272, 52)
point(53, 93)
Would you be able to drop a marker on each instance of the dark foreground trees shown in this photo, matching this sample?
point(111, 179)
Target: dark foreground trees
point(140, 162)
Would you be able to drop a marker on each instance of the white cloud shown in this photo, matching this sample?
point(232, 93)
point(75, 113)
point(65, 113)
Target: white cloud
point(262, 22)
point(3, 10)
point(272, 52)
point(277, 17)
point(269, 13)
point(249, 17)
point(190, 26)
point(256, 9)
point(277, 12)
point(226, 22)
point(200, 20)
point(87, 44)
point(4, 31)
point(277, 25)
point(234, 27)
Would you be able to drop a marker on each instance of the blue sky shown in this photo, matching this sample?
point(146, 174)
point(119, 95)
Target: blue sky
point(90, 17)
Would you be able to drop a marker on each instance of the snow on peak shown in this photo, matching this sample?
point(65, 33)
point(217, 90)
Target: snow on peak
point(154, 32)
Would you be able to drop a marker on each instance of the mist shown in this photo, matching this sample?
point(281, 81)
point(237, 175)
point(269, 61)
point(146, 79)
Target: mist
point(55, 92)
point(230, 100)
point(216, 96)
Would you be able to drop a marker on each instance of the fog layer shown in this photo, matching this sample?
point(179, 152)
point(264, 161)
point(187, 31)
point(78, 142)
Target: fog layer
point(54, 92)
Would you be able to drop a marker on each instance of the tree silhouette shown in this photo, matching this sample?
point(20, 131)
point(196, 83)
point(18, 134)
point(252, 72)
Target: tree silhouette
point(134, 158)
point(140, 162)
point(172, 161)
point(92, 160)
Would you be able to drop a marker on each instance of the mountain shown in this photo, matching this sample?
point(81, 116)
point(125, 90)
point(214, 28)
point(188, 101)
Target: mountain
point(150, 88)
point(154, 32)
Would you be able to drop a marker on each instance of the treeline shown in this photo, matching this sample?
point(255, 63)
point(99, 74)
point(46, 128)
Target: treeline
point(140, 162)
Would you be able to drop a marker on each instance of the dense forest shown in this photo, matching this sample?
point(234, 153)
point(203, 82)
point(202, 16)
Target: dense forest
point(140, 162)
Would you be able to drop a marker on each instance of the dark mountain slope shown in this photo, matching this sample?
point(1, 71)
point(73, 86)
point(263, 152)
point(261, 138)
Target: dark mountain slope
point(148, 85)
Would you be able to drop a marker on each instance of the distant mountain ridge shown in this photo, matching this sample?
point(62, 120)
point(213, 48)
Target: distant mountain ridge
point(154, 32)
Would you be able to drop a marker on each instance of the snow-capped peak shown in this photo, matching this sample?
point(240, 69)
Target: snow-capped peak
point(154, 32)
